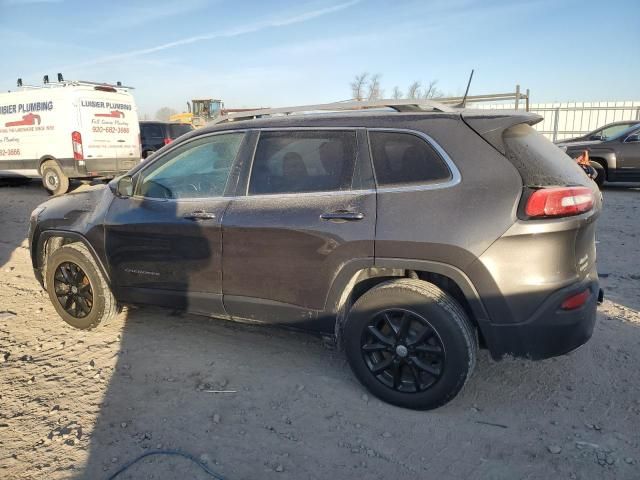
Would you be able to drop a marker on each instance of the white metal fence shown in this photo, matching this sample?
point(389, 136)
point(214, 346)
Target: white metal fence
point(571, 119)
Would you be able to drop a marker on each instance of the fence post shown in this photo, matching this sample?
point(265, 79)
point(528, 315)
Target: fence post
point(527, 101)
point(517, 95)
point(556, 120)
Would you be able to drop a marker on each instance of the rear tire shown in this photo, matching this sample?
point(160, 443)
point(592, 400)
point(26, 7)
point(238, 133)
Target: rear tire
point(601, 173)
point(427, 361)
point(53, 179)
point(77, 288)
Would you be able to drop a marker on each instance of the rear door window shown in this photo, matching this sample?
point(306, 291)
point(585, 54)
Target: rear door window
point(405, 159)
point(153, 132)
point(303, 161)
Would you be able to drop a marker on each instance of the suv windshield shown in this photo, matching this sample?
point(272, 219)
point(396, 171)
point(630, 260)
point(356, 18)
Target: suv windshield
point(177, 130)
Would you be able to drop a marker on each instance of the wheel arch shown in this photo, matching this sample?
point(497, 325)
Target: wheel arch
point(605, 158)
point(356, 278)
point(51, 240)
point(46, 158)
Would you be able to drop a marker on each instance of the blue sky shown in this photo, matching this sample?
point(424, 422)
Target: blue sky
point(274, 53)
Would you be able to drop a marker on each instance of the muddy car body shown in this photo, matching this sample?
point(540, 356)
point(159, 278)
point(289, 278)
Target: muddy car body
point(413, 235)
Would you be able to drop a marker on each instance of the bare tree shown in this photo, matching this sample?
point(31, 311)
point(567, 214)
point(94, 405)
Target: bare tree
point(431, 90)
point(358, 85)
point(374, 88)
point(413, 91)
point(164, 113)
point(374, 91)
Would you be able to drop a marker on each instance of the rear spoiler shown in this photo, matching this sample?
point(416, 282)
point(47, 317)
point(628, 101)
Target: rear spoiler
point(490, 125)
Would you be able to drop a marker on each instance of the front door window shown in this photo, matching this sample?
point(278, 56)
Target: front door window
point(198, 169)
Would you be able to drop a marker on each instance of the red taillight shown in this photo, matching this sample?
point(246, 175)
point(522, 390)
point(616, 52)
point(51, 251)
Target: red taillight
point(167, 141)
point(559, 202)
point(76, 141)
point(576, 301)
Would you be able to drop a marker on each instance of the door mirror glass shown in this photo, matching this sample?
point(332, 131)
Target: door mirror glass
point(124, 187)
point(595, 137)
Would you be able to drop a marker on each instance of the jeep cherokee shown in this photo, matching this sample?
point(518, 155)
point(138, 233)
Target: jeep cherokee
point(413, 233)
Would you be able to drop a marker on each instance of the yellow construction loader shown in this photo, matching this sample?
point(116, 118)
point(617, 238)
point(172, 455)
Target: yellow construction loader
point(199, 112)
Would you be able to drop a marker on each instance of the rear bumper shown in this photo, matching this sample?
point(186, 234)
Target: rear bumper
point(96, 167)
point(550, 331)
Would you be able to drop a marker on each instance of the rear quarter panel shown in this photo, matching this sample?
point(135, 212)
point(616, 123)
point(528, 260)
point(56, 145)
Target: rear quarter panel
point(455, 224)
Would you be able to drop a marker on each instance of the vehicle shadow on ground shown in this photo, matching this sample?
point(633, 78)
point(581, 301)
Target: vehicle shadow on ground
point(251, 400)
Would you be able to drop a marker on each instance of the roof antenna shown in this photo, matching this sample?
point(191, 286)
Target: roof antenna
point(463, 103)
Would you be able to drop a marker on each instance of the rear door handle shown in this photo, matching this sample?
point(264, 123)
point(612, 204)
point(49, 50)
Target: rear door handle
point(199, 215)
point(343, 215)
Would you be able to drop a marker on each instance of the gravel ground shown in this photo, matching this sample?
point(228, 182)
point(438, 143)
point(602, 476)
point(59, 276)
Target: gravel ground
point(80, 405)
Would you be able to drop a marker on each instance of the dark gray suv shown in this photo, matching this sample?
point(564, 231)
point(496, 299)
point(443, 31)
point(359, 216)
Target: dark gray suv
point(413, 233)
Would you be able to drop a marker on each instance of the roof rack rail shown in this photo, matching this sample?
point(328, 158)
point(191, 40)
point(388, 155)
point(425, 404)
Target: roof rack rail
point(408, 105)
point(65, 83)
point(97, 84)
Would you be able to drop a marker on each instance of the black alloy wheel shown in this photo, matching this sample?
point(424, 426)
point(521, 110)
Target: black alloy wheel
point(73, 290)
point(403, 351)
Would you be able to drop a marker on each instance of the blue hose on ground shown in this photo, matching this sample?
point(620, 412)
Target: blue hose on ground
point(206, 469)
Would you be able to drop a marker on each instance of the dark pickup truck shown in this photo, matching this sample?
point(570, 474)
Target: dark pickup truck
point(616, 159)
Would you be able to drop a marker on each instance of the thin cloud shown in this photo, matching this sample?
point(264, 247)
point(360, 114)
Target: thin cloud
point(137, 15)
point(19, 3)
point(240, 30)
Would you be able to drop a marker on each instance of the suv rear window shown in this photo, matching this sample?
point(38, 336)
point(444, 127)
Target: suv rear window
point(303, 161)
point(175, 131)
point(152, 131)
point(540, 162)
point(405, 159)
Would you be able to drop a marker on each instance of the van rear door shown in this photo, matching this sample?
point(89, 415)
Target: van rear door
point(110, 132)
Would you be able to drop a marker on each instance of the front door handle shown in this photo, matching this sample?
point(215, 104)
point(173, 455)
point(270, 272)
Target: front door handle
point(342, 215)
point(199, 215)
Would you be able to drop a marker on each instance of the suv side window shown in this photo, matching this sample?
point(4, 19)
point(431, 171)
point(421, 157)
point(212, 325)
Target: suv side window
point(303, 161)
point(198, 169)
point(405, 159)
point(611, 132)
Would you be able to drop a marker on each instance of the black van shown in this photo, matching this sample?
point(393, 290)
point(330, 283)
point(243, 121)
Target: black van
point(155, 135)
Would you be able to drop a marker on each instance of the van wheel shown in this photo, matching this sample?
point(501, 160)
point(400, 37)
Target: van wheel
point(56, 182)
point(410, 344)
point(77, 288)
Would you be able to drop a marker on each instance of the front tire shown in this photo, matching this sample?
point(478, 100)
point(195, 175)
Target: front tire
point(77, 288)
point(410, 344)
point(53, 179)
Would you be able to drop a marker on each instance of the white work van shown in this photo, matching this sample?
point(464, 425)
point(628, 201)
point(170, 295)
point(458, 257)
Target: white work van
point(66, 130)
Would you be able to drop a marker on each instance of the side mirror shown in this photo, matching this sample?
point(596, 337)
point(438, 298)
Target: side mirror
point(122, 187)
point(595, 137)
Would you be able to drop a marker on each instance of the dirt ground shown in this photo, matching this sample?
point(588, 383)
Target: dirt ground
point(81, 405)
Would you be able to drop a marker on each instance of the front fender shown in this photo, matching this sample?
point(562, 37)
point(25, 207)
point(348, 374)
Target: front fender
point(38, 251)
